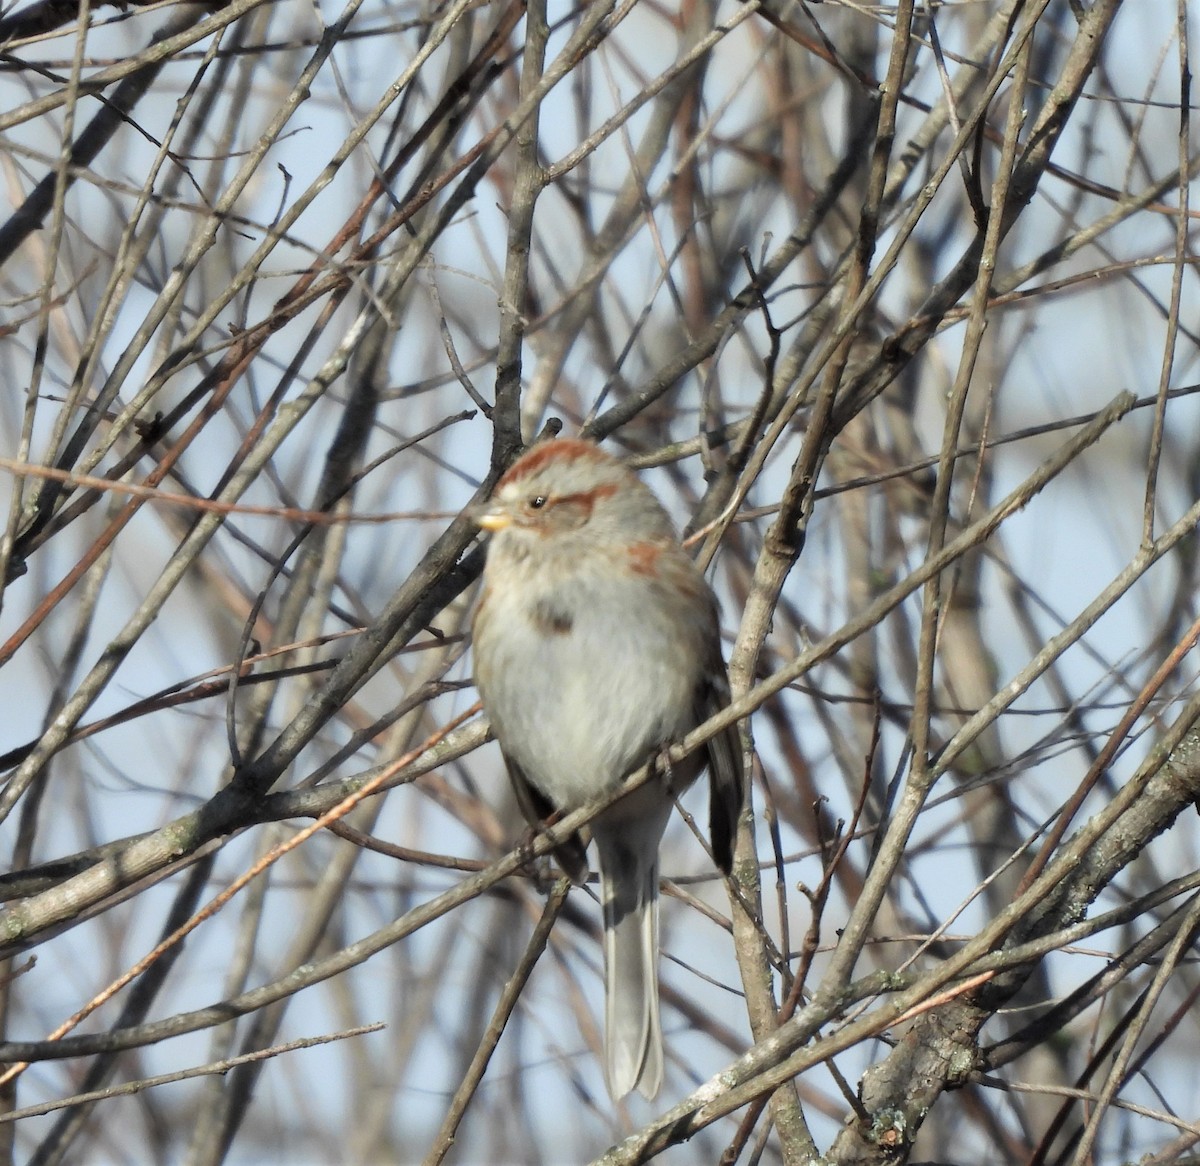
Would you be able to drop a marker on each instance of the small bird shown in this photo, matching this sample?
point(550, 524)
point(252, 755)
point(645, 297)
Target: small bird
point(597, 644)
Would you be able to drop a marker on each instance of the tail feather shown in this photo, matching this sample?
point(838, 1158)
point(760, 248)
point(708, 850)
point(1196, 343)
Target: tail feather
point(633, 1052)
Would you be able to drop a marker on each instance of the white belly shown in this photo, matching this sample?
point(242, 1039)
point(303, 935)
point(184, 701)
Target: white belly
point(577, 709)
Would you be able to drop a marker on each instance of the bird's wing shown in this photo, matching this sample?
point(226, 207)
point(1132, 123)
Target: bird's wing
point(571, 854)
point(726, 775)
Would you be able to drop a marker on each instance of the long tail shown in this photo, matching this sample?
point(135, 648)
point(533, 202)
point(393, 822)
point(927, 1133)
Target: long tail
point(628, 860)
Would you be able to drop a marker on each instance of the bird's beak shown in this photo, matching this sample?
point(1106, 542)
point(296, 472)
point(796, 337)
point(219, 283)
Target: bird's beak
point(493, 520)
point(489, 516)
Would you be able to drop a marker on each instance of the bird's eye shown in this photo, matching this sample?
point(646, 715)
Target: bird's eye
point(537, 502)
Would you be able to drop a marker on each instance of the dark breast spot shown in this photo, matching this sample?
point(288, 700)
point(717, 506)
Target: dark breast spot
point(552, 620)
